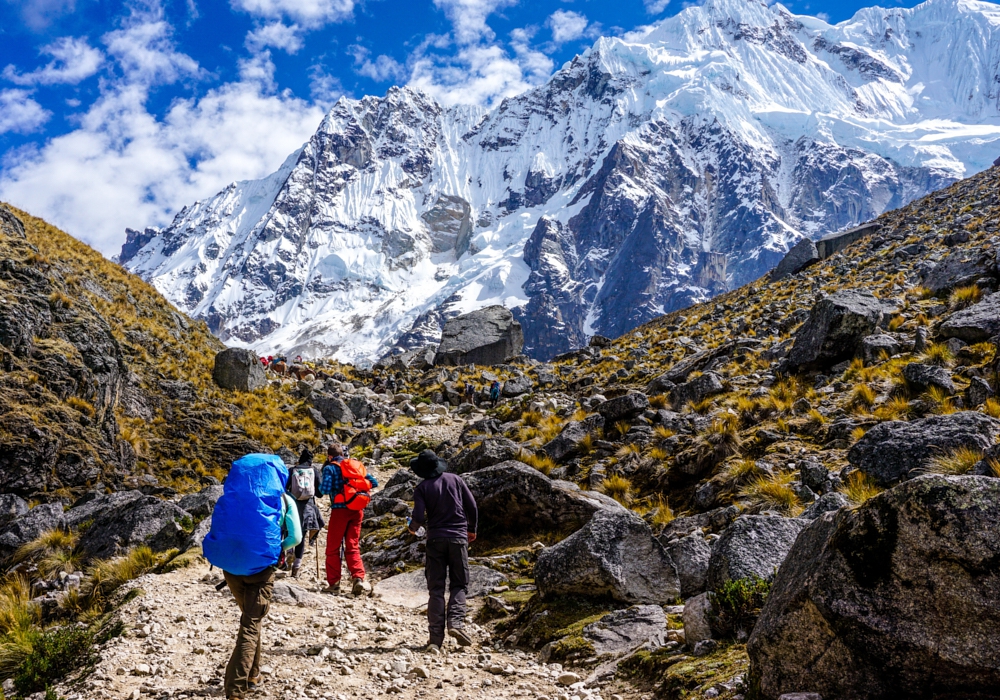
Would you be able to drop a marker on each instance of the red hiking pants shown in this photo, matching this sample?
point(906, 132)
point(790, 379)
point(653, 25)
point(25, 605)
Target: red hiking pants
point(345, 526)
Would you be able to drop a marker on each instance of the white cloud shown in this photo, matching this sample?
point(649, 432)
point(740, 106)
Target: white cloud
point(468, 17)
point(73, 60)
point(308, 13)
point(566, 25)
point(655, 7)
point(380, 70)
point(324, 88)
point(475, 75)
point(19, 113)
point(275, 34)
point(39, 14)
point(145, 52)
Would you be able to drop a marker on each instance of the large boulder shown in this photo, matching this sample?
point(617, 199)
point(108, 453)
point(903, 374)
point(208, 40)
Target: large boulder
point(835, 328)
point(514, 498)
point(11, 506)
point(86, 508)
point(961, 267)
point(976, 324)
point(201, 504)
point(27, 527)
point(754, 545)
point(488, 336)
point(802, 255)
point(238, 369)
point(142, 521)
point(701, 387)
point(567, 442)
point(899, 598)
point(517, 386)
point(615, 555)
point(922, 377)
point(691, 555)
point(489, 452)
point(623, 407)
point(332, 408)
point(891, 451)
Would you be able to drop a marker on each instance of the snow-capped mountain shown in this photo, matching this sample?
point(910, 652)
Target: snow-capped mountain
point(650, 172)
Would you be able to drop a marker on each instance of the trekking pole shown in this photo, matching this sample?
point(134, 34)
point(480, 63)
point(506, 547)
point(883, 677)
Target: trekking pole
point(316, 544)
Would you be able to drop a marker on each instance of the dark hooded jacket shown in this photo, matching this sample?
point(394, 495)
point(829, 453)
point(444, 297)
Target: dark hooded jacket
point(442, 502)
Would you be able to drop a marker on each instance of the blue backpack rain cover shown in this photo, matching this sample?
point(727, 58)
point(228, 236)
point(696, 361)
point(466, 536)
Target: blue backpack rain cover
point(245, 537)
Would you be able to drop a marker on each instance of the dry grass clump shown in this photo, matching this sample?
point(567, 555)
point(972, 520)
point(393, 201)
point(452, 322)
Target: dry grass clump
point(540, 461)
point(720, 441)
point(896, 408)
point(772, 493)
point(964, 297)
point(662, 433)
point(859, 487)
point(619, 488)
point(531, 418)
point(940, 400)
point(661, 511)
point(956, 462)
point(937, 354)
point(658, 401)
point(862, 398)
point(992, 408)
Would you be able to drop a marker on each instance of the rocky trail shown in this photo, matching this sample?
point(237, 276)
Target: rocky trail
point(179, 633)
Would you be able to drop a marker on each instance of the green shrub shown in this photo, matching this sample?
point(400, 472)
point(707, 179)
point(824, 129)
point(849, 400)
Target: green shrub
point(54, 653)
point(736, 605)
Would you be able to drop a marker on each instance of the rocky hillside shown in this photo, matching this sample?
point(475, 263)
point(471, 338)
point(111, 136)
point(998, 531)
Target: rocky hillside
point(104, 384)
point(653, 171)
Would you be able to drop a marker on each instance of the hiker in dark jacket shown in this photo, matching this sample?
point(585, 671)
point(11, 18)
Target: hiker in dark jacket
point(443, 503)
point(309, 514)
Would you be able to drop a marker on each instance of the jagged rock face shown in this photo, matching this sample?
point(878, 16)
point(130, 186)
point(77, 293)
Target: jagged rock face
point(639, 179)
point(897, 598)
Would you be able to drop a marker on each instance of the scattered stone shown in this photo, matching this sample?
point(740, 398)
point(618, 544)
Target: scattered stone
point(835, 328)
point(977, 392)
point(238, 369)
point(800, 256)
point(624, 407)
point(623, 630)
point(922, 377)
point(409, 590)
point(699, 388)
point(976, 324)
point(489, 452)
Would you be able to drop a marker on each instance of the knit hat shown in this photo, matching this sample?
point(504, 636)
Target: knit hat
point(306, 457)
point(428, 465)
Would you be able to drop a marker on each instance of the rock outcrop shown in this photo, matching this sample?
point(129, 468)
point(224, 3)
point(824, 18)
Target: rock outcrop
point(897, 450)
point(835, 328)
point(897, 598)
point(488, 336)
point(754, 545)
point(239, 370)
point(976, 324)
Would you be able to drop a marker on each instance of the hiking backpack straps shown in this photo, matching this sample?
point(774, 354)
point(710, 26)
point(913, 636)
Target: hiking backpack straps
point(302, 482)
point(356, 493)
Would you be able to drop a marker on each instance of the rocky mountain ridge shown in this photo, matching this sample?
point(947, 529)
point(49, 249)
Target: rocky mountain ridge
point(651, 172)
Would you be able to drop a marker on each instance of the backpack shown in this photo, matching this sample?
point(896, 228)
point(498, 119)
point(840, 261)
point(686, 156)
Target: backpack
point(302, 483)
point(357, 489)
point(495, 391)
point(245, 537)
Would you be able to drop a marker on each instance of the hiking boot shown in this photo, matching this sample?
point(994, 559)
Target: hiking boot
point(361, 587)
point(432, 649)
point(460, 636)
point(296, 570)
point(333, 589)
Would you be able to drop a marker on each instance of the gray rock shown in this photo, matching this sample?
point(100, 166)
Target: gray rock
point(599, 341)
point(922, 377)
point(697, 612)
point(824, 504)
point(659, 385)
point(714, 521)
point(333, 408)
point(29, 526)
point(287, 593)
point(142, 521)
point(690, 555)
point(802, 255)
point(615, 555)
point(409, 590)
point(977, 392)
point(11, 505)
point(516, 498)
point(754, 545)
point(708, 384)
point(959, 268)
point(890, 452)
point(90, 505)
point(238, 369)
point(201, 504)
point(800, 696)
point(488, 336)
point(815, 476)
point(873, 347)
point(921, 339)
point(623, 407)
point(894, 599)
point(568, 441)
point(976, 324)
point(835, 328)
point(489, 452)
point(623, 630)
point(517, 386)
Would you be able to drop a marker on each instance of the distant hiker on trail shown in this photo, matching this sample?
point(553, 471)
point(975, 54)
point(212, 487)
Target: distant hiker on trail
point(495, 392)
point(254, 522)
point(391, 384)
point(348, 484)
point(444, 503)
point(303, 485)
point(470, 393)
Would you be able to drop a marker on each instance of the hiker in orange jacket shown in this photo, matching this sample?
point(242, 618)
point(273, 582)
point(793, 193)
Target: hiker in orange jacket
point(349, 485)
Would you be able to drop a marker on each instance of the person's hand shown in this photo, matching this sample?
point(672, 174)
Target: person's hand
point(472, 537)
point(412, 532)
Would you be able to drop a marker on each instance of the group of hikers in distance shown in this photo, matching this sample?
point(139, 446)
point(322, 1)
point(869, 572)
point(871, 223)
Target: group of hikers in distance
point(268, 512)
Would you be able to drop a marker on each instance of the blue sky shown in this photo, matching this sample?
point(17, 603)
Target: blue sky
point(116, 113)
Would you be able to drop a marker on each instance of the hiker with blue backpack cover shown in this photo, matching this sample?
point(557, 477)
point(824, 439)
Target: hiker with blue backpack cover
point(253, 523)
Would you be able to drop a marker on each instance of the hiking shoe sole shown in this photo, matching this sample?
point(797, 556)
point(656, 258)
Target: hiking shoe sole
point(460, 636)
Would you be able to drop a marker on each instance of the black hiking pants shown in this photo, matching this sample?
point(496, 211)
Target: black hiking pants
point(447, 563)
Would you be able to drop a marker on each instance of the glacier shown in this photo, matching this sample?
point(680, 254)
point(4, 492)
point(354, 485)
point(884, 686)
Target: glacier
point(652, 171)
